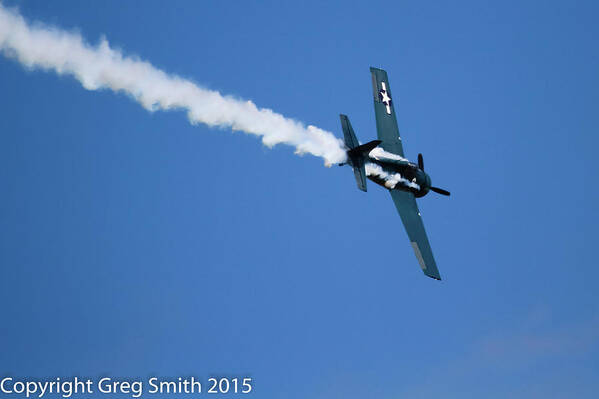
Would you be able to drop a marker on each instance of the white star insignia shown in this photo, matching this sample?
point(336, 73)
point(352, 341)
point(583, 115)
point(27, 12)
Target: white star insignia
point(385, 99)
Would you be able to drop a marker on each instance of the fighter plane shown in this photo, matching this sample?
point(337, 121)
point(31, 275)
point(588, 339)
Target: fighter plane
point(383, 162)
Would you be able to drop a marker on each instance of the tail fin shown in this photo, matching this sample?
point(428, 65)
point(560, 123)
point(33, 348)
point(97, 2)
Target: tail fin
point(356, 153)
point(348, 133)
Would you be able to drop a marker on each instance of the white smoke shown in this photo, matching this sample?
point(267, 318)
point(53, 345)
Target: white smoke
point(102, 67)
point(379, 153)
point(391, 179)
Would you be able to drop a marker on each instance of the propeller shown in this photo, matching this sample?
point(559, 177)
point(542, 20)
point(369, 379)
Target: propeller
point(435, 189)
point(440, 191)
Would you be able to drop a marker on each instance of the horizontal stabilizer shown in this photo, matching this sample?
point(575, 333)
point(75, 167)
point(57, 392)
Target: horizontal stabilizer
point(364, 149)
point(349, 137)
point(356, 153)
point(360, 174)
point(357, 157)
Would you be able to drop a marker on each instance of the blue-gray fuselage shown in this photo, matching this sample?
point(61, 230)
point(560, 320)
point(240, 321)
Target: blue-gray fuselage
point(421, 181)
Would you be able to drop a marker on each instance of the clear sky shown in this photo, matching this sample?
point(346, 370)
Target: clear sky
point(135, 244)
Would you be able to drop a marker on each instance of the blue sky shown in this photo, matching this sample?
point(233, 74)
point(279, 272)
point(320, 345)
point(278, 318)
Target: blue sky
point(134, 244)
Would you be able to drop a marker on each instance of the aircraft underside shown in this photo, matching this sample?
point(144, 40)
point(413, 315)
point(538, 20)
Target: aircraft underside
point(394, 175)
point(384, 163)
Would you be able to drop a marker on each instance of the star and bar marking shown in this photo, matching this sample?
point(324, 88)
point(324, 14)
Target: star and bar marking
point(384, 97)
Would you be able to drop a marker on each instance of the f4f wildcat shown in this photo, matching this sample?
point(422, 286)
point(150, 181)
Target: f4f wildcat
point(383, 162)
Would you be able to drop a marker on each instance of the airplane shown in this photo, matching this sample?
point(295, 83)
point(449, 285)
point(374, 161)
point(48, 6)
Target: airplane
point(383, 162)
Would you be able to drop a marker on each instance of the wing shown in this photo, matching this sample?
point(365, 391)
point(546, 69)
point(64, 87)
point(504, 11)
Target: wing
point(410, 216)
point(386, 123)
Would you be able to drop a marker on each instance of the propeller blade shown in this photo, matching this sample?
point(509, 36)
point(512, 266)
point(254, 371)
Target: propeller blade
point(420, 162)
point(440, 191)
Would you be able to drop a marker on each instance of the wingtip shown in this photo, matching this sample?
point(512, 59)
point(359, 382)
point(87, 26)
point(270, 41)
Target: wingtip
point(374, 69)
point(436, 277)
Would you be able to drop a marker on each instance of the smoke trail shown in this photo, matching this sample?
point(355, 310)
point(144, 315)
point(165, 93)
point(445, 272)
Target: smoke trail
point(102, 67)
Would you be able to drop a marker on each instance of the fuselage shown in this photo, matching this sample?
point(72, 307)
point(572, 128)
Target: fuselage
point(413, 179)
